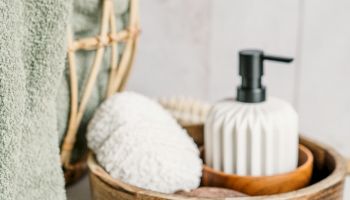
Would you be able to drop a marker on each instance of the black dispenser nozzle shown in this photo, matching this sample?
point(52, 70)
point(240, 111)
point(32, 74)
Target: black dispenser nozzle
point(251, 69)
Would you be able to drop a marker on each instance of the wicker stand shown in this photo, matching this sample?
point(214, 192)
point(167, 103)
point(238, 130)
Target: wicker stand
point(119, 72)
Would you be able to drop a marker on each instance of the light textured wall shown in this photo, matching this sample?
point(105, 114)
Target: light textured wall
point(324, 78)
point(174, 48)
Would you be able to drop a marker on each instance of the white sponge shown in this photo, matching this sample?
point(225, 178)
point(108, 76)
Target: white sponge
point(138, 142)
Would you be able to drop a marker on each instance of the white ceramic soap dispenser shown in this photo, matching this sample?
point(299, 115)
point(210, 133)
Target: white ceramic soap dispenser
point(253, 134)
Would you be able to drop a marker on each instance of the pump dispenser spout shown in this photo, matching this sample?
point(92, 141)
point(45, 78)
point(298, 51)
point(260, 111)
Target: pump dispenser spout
point(251, 69)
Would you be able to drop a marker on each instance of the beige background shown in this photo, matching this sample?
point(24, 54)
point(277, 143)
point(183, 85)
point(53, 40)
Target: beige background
point(190, 48)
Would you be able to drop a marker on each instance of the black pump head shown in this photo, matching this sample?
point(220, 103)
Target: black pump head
point(251, 69)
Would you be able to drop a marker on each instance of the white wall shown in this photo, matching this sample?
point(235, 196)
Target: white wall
point(174, 52)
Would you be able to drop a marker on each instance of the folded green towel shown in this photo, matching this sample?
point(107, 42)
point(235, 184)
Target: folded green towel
point(32, 60)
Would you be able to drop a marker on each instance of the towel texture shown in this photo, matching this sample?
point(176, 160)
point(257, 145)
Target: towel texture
point(34, 89)
point(32, 60)
point(85, 23)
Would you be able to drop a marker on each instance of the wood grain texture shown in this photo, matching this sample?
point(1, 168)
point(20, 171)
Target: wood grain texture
point(212, 192)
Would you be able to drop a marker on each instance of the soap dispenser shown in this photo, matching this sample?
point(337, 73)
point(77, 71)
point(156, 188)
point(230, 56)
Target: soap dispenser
point(254, 134)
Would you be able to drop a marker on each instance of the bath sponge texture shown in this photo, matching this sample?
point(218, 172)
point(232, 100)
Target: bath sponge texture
point(140, 143)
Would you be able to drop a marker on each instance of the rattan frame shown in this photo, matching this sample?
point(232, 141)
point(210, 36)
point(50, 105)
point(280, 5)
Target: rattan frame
point(119, 70)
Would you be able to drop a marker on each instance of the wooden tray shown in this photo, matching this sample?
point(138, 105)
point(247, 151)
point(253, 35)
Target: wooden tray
point(327, 183)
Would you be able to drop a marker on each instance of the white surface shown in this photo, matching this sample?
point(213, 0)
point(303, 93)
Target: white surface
point(258, 139)
point(190, 47)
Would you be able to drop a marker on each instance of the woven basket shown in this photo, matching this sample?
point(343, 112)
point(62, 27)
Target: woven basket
point(327, 182)
point(119, 72)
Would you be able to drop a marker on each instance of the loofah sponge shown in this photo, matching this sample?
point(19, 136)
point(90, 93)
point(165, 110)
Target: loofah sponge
point(140, 143)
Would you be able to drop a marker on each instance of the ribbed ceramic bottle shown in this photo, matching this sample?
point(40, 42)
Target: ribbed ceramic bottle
point(252, 135)
point(252, 139)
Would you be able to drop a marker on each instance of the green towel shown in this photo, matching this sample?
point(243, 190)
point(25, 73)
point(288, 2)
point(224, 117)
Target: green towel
point(34, 90)
point(32, 59)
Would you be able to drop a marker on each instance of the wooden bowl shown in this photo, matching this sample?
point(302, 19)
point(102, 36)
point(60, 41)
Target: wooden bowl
point(264, 185)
